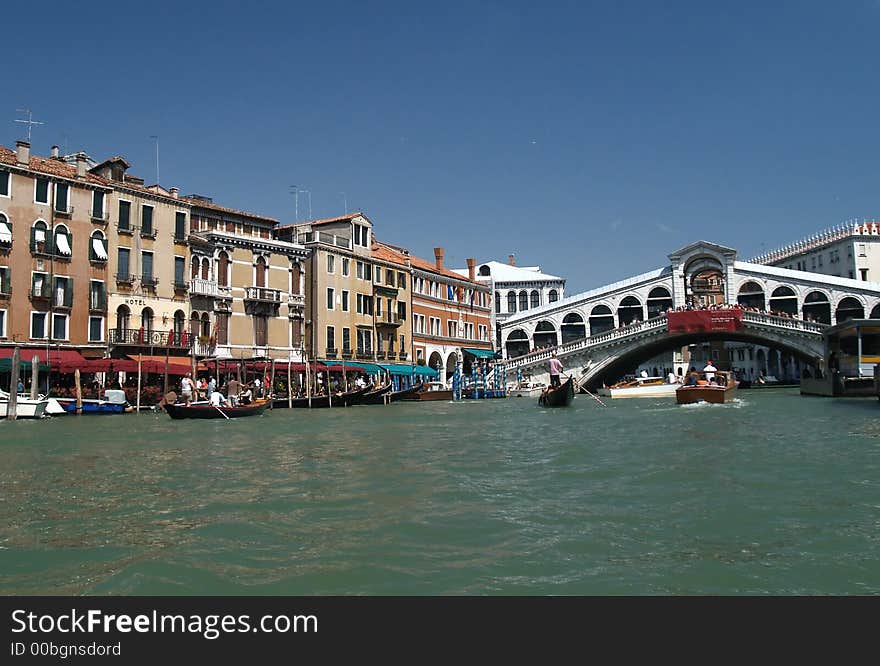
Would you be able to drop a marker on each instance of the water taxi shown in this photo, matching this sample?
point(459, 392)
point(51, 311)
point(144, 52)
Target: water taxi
point(640, 387)
point(716, 387)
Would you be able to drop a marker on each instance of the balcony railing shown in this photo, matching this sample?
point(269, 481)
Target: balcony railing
point(389, 319)
point(262, 294)
point(364, 353)
point(140, 337)
point(331, 352)
point(63, 210)
point(99, 215)
point(180, 285)
point(201, 287)
point(296, 300)
point(149, 280)
point(402, 355)
point(124, 278)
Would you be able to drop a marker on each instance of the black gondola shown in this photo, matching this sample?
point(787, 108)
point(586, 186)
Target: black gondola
point(341, 400)
point(209, 411)
point(560, 396)
point(376, 396)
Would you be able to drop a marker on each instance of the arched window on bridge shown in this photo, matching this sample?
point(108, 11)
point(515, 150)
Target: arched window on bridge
point(573, 327)
point(751, 295)
point(630, 310)
point(545, 334)
point(552, 296)
point(523, 300)
point(849, 308)
point(875, 313)
point(517, 343)
point(659, 301)
point(817, 307)
point(511, 301)
point(535, 298)
point(601, 319)
point(783, 299)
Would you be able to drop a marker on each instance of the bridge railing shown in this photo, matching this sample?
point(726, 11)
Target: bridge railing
point(784, 322)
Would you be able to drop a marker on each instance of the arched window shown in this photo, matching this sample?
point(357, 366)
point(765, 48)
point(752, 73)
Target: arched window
point(849, 308)
point(875, 312)
point(194, 273)
point(535, 298)
point(552, 296)
point(659, 301)
point(517, 343)
point(123, 321)
point(5, 231)
point(523, 300)
point(817, 307)
point(601, 319)
point(63, 241)
point(629, 310)
point(179, 323)
point(260, 270)
point(195, 324)
point(751, 295)
point(783, 299)
point(206, 325)
point(206, 268)
point(40, 241)
point(545, 334)
point(511, 301)
point(497, 302)
point(484, 271)
point(573, 327)
point(147, 320)
point(223, 269)
point(97, 246)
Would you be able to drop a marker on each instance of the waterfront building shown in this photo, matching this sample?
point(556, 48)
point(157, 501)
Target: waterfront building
point(452, 315)
point(392, 275)
point(53, 253)
point(339, 286)
point(516, 289)
point(145, 231)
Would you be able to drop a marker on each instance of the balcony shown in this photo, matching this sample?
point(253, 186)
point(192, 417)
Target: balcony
point(331, 352)
point(380, 355)
point(40, 295)
point(124, 278)
point(262, 294)
point(296, 300)
point(139, 337)
point(391, 355)
point(180, 285)
point(390, 319)
point(148, 233)
point(346, 353)
point(63, 211)
point(200, 287)
point(124, 228)
point(364, 354)
point(99, 216)
point(402, 355)
point(41, 248)
point(149, 281)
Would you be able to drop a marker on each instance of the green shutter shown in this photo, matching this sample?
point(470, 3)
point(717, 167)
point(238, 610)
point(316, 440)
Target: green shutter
point(33, 238)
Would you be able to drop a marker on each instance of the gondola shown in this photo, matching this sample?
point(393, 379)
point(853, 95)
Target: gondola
point(560, 396)
point(341, 400)
point(376, 396)
point(206, 410)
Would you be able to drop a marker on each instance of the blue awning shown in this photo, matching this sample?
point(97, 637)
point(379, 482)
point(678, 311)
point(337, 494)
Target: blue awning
point(479, 353)
point(409, 370)
point(369, 368)
point(423, 371)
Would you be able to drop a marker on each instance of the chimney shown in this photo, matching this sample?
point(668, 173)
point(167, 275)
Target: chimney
point(438, 257)
point(81, 166)
point(471, 263)
point(54, 152)
point(511, 260)
point(23, 152)
point(175, 192)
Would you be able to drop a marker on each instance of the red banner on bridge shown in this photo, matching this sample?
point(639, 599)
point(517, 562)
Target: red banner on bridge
point(705, 321)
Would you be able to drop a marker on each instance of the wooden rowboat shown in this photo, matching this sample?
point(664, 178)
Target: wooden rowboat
point(209, 411)
point(560, 396)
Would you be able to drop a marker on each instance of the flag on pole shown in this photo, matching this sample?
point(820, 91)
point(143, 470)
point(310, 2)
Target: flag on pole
point(449, 293)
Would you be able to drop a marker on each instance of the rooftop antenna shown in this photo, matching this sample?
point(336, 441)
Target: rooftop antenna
point(295, 193)
point(154, 136)
point(29, 122)
point(344, 204)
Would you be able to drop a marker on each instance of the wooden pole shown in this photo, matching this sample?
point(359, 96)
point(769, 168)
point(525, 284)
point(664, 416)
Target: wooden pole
point(289, 387)
point(12, 407)
point(329, 390)
point(270, 389)
point(309, 381)
point(344, 378)
point(165, 387)
point(138, 401)
point(79, 393)
point(35, 376)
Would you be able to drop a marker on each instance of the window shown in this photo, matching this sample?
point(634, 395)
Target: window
point(378, 274)
point(97, 205)
point(364, 341)
point(331, 263)
point(97, 247)
point(124, 215)
point(346, 339)
point(553, 296)
point(344, 300)
point(147, 264)
point(401, 280)
point(451, 328)
point(63, 296)
point(863, 272)
point(511, 301)
point(39, 285)
point(360, 270)
point(5, 285)
point(378, 306)
point(123, 256)
point(5, 231)
point(41, 191)
point(331, 337)
point(38, 325)
point(62, 198)
point(2, 320)
point(179, 271)
point(223, 269)
point(147, 220)
point(261, 328)
point(402, 342)
point(330, 297)
point(364, 304)
point(4, 184)
point(435, 325)
point(523, 301)
point(96, 329)
point(63, 241)
point(221, 320)
point(497, 303)
point(368, 272)
point(361, 235)
point(97, 295)
point(535, 299)
point(345, 263)
point(401, 310)
point(179, 226)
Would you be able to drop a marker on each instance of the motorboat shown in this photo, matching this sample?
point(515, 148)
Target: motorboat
point(640, 387)
point(431, 391)
point(718, 387)
point(26, 408)
point(526, 389)
point(114, 402)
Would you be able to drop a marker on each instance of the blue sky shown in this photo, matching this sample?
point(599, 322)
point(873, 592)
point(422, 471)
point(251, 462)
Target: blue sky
point(590, 138)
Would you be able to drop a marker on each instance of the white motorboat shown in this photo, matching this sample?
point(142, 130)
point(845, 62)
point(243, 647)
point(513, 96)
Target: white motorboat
point(526, 389)
point(25, 407)
point(640, 387)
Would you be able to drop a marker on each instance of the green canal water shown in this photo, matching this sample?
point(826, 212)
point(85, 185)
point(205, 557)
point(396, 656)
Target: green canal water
point(774, 494)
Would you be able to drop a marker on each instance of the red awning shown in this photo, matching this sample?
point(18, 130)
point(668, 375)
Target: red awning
point(63, 360)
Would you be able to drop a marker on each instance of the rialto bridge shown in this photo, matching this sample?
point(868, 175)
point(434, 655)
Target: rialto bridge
point(602, 332)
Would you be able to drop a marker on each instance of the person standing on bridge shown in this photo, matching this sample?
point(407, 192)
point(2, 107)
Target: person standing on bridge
point(555, 370)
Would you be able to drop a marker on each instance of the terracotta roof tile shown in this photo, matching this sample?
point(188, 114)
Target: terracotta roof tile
point(430, 266)
point(50, 167)
point(198, 203)
point(329, 220)
point(384, 252)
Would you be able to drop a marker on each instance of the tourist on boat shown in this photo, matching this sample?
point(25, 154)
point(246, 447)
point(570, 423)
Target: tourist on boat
point(246, 396)
point(212, 386)
point(233, 388)
point(555, 370)
point(710, 371)
point(186, 388)
point(692, 377)
point(217, 399)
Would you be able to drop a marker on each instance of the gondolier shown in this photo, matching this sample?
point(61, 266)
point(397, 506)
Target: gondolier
point(555, 370)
